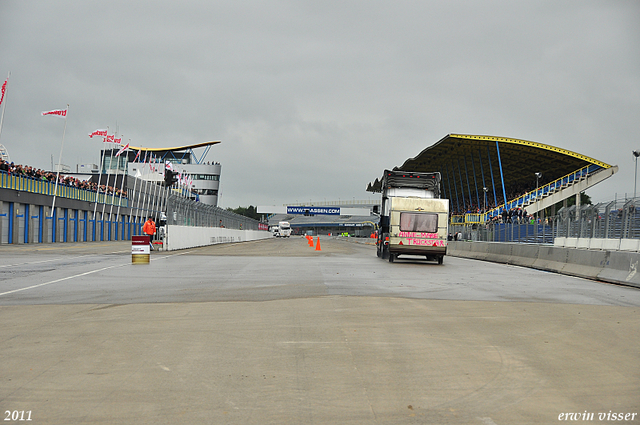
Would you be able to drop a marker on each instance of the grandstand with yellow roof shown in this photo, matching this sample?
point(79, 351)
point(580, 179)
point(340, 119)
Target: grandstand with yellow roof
point(485, 175)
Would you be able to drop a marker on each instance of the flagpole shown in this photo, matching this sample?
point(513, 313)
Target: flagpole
point(5, 103)
point(95, 206)
point(148, 203)
point(155, 200)
point(133, 195)
point(115, 182)
point(55, 191)
point(156, 204)
point(140, 193)
point(122, 184)
point(138, 209)
point(104, 203)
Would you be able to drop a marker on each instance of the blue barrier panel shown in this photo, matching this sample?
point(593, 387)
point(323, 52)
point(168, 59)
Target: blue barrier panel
point(65, 226)
point(10, 212)
point(26, 223)
point(40, 223)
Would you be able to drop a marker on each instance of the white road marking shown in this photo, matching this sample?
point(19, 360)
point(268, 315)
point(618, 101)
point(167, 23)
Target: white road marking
point(63, 279)
point(46, 261)
point(81, 274)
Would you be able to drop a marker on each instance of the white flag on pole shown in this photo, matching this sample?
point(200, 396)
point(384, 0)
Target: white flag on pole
point(61, 113)
point(98, 133)
point(4, 89)
point(122, 149)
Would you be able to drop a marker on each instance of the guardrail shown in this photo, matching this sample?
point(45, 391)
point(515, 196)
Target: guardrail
point(605, 265)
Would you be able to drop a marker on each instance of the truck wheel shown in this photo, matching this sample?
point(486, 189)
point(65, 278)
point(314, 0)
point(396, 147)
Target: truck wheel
point(441, 259)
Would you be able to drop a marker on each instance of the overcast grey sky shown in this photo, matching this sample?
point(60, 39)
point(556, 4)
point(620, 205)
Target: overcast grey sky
point(313, 99)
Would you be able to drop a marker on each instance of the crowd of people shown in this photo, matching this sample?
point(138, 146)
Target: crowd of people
point(70, 181)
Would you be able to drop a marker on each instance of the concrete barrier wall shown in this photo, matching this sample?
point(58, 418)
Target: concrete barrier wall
point(606, 265)
point(183, 237)
point(599, 243)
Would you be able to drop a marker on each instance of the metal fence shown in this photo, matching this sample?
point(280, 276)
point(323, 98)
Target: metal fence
point(187, 212)
point(101, 217)
point(152, 199)
point(611, 220)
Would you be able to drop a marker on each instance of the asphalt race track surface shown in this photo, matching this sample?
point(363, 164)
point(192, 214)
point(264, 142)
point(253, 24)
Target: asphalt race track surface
point(277, 332)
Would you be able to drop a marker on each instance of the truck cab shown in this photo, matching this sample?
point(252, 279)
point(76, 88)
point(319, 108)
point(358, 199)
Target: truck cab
point(413, 218)
point(283, 230)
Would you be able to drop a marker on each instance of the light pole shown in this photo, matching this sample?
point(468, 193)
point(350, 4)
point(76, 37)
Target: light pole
point(538, 176)
point(485, 189)
point(636, 154)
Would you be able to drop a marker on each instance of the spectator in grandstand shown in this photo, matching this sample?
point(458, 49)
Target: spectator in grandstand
point(39, 174)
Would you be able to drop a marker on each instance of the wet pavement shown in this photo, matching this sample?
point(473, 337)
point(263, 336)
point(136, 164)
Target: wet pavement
point(277, 332)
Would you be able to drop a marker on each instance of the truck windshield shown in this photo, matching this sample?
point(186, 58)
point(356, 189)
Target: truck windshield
point(418, 222)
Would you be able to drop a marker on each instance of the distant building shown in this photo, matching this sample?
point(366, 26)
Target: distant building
point(4, 154)
point(63, 168)
point(87, 168)
point(150, 165)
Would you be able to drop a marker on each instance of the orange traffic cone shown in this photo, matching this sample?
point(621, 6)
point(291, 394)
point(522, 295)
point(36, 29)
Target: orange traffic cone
point(310, 239)
point(317, 244)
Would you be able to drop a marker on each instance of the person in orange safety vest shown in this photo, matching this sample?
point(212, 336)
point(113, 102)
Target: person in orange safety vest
point(149, 228)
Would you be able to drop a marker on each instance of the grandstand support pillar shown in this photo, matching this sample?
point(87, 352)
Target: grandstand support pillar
point(464, 203)
point(475, 181)
point(493, 184)
point(466, 171)
point(577, 201)
point(504, 192)
point(454, 186)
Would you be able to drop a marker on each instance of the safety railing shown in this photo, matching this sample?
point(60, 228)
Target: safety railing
point(544, 191)
point(530, 197)
point(45, 187)
point(618, 219)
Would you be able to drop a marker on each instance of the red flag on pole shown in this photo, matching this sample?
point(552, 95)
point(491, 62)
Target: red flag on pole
point(98, 133)
point(137, 156)
point(61, 113)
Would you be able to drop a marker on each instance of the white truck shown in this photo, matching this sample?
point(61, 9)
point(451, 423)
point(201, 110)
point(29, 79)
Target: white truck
point(413, 218)
point(283, 230)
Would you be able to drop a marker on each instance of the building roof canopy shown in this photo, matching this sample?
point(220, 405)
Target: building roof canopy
point(471, 160)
